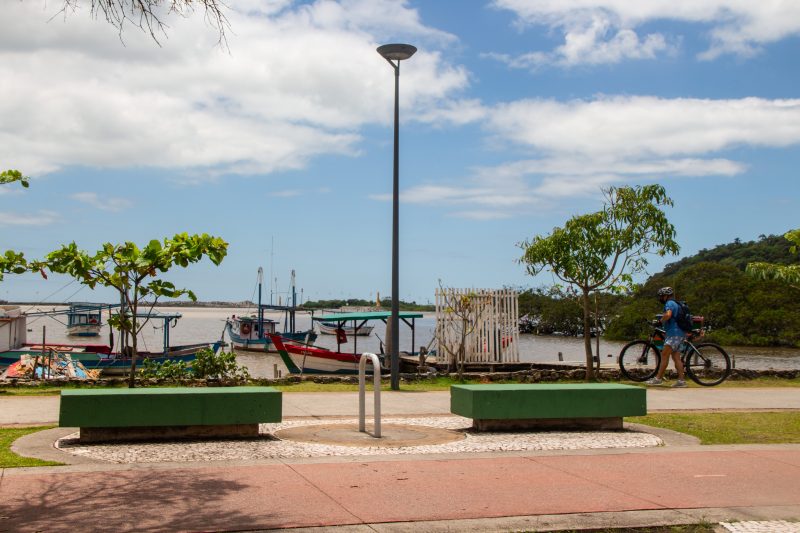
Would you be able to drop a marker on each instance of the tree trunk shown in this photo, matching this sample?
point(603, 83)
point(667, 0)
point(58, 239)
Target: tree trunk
point(587, 336)
point(134, 351)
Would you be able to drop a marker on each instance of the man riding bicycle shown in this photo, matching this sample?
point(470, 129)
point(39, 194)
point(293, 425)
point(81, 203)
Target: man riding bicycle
point(675, 337)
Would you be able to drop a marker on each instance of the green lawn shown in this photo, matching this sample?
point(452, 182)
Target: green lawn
point(433, 384)
point(9, 459)
point(730, 428)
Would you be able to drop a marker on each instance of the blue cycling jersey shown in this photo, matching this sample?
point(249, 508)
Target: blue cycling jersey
point(671, 327)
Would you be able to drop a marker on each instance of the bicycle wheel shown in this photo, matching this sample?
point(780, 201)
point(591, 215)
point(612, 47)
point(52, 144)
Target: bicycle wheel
point(708, 364)
point(639, 360)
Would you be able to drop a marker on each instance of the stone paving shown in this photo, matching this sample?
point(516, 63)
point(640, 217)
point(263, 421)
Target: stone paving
point(772, 526)
point(271, 447)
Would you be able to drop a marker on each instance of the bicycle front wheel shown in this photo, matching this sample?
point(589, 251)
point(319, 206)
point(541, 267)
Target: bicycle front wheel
point(708, 364)
point(639, 360)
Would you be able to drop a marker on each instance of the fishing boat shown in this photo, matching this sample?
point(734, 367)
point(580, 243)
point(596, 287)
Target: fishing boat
point(313, 360)
point(85, 319)
point(252, 332)
point(94, 356)
point(330, 328)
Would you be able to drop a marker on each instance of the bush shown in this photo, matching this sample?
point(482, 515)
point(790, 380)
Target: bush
point(220, 365)
point(207, 365)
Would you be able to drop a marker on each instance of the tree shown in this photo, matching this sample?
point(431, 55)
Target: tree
point(134, 273)
point(789, 274)
point(147, 14)
point(602, 251)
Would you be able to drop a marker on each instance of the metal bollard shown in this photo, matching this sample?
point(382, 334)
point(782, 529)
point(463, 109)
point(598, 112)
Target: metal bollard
point(362, 391)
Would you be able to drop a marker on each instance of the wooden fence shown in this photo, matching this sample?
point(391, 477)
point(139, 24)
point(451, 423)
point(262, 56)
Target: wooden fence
point(486, 320)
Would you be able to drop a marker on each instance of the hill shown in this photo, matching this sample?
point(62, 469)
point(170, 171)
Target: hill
point(737, 308)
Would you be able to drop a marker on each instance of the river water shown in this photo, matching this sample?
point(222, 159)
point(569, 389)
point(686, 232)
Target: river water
point(206, 324)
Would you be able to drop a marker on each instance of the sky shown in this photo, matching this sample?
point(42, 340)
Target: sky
point(514, 114)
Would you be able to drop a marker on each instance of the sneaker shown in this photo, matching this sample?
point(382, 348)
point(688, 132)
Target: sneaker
point(679, 384)
point(655, 381)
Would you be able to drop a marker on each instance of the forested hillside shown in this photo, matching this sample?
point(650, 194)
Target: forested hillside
point(738, 309)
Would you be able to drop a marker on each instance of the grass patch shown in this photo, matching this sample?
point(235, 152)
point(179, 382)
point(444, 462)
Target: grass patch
point(730, 428)
point(9, 459)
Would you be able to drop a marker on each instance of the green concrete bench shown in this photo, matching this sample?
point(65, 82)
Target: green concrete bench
point(547, 406)
point(169, 413)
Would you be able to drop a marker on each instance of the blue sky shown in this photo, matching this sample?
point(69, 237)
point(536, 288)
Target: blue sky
point(514, 113)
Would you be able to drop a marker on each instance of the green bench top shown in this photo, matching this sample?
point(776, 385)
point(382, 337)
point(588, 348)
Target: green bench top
point(169, 406)
point(532, 401)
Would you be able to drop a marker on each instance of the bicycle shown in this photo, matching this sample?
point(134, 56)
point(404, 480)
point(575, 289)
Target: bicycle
point(706, 363)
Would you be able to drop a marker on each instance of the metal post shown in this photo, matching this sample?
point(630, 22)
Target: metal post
point(394, 54)
point(362, 391)
point(395, 353)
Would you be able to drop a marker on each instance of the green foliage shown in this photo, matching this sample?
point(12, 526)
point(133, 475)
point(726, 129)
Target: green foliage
point(166, 370)
point(602, 251)
point(133, 272)
point(12, 262)
point(220, 365)
point(789, 274)
point(386, 304)
point(738, 308)
point(556, 310)
point(207, 365)
point(11, 176)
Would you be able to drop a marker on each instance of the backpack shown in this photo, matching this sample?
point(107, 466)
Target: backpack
point(684, 317)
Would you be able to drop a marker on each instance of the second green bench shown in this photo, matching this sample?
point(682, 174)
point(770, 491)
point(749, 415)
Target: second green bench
point(547, 406)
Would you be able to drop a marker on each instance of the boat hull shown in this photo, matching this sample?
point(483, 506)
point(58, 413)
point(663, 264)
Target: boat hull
point(312, 360)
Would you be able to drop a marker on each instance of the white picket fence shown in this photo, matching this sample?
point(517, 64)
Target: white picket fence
point(492, 324)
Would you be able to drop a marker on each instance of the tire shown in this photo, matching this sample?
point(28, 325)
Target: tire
point(639, 360)
point(708, 366)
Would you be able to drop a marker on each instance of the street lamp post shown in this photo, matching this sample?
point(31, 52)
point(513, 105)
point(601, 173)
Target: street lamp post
point(394, 53)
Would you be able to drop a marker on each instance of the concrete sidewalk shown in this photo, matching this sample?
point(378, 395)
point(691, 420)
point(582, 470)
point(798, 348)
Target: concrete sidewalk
point(44, 409)
point(493, 491)
point(422, 493)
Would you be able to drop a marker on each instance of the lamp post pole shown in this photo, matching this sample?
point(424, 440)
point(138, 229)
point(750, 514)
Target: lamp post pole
point(394, 53)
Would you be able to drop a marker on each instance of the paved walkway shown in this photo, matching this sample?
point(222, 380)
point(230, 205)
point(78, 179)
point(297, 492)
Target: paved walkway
point(497, 491)
point(44, 409)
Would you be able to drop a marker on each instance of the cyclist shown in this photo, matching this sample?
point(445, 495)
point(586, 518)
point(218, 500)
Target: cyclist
point(675, 337)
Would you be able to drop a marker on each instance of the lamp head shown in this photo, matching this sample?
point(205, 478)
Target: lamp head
point(397, 52)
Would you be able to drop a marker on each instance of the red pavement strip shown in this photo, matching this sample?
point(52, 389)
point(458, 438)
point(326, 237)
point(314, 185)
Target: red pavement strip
point(325, 494)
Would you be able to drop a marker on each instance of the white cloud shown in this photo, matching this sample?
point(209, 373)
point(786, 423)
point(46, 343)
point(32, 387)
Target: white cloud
point(40, 218)
point(298, 81)
point(105, 204)
point(580, 146)
point(605, 31)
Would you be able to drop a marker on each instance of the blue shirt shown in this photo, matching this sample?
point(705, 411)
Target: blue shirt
point(671, 326)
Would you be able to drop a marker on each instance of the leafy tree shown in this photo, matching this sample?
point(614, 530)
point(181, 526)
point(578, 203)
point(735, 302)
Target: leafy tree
point(146, 14)
point(789, 274)
point(134, 273)
point(602, 251)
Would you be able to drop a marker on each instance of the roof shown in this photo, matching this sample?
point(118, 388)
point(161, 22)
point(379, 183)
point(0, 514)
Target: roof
point(374, 315)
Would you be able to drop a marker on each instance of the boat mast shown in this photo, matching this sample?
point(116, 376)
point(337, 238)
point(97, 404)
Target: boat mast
point(260, 309)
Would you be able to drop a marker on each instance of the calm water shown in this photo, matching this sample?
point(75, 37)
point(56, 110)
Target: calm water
point(207, 324)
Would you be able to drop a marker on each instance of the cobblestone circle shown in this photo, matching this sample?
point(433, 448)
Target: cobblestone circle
point(269, 447)
point(772, 526)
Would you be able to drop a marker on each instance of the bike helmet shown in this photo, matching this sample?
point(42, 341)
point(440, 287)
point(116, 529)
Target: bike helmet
point(666, 291)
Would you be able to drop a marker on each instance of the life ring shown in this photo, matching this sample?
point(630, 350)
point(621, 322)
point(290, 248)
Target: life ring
point(245, 329)
point(93, 320)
